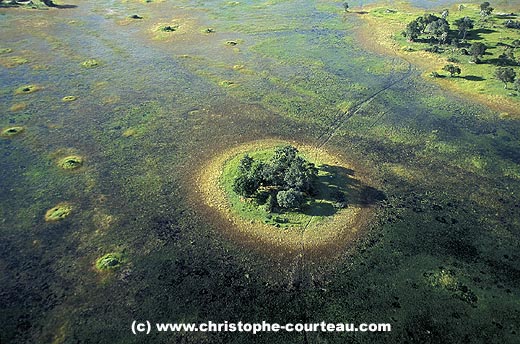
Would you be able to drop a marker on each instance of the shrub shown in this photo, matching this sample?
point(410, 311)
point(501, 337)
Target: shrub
point(289, 199)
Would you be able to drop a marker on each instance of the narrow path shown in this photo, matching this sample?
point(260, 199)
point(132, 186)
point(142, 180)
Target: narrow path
point(343, 116)
point(303, 277)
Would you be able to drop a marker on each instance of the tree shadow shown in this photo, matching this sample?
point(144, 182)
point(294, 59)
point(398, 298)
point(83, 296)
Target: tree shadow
point(472, 78)
point(506, 16)
point(338, 178)
point(319, 209)
point(502, 62)
point(476, 35)
point(65, 6)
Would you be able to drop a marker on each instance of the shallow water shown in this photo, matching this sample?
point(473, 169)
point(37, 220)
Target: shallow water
point(154, 110)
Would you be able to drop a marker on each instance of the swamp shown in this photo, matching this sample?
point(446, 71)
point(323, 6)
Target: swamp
point(117, 118)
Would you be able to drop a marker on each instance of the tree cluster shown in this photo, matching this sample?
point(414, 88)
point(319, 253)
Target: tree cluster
point(281, 182)
point(438, 28)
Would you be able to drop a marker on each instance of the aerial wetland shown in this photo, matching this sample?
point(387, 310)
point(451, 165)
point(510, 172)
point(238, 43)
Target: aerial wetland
point(288, 161)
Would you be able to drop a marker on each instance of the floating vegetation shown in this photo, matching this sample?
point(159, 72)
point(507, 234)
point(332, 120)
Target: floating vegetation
point(90, 63)
point(12, 131)
point(129, 132)
point(109, 261)
point(175, 28)
point(58, 212)
point(71, 162)
point(112, 99)
point(227, 83)
point(12, 61)
point(27, 89)
point(69, 99)
point(18, 107)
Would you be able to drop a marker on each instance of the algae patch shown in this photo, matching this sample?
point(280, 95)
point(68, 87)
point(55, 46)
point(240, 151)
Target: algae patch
point(13, 61)
point(18, 107)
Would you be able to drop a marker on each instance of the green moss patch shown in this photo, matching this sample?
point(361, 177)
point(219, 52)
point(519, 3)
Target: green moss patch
point(12, 131)
point(27, 89)
point(68, 99)
point(71, 162)
point(90, 63)
point(12, 61)
point(58, 212)
point(109, 261)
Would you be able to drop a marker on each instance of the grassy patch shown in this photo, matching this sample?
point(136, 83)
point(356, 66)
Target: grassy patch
point(319, 206)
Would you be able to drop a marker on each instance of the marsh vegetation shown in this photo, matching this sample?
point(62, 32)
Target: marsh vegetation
point(146, 224)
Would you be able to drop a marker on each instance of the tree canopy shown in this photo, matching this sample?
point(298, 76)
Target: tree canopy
point(505, 74)
point(464, 25)
point(485, 9)
point(285, 178)
point(477, 50)
point(452, 69)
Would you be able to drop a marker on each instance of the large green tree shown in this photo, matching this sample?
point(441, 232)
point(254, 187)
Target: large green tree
point(413, 30)
point(439, 29)
point(486, 9)
point(505, 74)
point(452, 69)
point(477, 50)
point(464, 25)
point(289, 199)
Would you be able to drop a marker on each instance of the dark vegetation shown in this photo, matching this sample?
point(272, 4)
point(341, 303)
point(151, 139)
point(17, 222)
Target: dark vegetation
point(282, 182)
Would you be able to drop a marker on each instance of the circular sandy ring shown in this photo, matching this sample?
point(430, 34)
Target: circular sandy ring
point(333, 232)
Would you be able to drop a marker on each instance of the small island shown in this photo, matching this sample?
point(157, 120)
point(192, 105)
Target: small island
point(274, 193)
point(281, 181)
